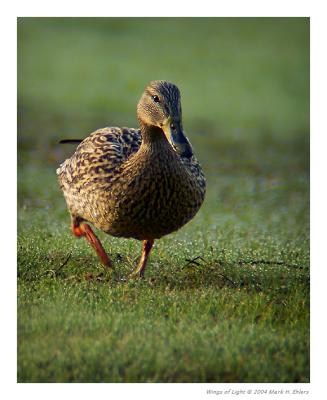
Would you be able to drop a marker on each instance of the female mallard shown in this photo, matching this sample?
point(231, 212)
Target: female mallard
point(135, 183)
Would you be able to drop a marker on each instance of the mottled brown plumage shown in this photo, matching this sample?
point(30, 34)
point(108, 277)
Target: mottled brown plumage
point(135, 183)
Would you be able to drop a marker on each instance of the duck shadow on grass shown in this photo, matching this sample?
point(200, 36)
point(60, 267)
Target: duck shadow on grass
point(237, 275)
point(196, 273)
point(251, 275)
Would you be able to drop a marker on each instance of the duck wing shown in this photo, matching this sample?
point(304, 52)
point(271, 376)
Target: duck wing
point(98, 155)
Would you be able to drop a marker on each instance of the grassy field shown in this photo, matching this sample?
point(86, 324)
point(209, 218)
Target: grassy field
point(226, 298)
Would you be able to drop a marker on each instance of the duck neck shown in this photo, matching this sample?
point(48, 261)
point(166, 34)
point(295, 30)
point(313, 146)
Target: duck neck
point(154, 140)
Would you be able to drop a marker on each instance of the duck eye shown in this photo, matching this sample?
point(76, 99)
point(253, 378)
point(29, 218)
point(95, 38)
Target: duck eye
point(155, 99)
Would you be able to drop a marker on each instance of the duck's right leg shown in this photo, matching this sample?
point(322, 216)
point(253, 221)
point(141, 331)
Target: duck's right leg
point(80, 229)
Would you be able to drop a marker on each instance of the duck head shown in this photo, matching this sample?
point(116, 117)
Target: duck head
point(160, 107)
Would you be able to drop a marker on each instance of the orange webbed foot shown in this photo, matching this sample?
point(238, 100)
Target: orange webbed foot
point(82, 229)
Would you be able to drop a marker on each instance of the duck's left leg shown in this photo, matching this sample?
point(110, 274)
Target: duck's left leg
point(146, 248)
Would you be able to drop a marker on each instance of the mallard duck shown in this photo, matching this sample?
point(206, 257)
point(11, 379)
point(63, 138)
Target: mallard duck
point(135, 183)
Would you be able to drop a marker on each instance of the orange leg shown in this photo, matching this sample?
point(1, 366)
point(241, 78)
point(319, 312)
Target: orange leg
point(146, 248)
point(82, 229)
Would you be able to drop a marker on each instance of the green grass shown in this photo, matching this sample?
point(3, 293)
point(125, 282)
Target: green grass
point(226, 298)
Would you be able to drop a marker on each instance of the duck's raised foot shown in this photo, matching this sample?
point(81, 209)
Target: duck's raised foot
point(82, 229)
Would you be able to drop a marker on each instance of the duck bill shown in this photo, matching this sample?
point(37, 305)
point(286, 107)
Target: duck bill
point(177, 138)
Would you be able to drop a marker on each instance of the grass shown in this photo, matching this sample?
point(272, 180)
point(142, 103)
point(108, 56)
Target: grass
point(226, 298)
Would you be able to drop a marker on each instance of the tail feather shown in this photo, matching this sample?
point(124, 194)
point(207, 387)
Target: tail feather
point(70, 141)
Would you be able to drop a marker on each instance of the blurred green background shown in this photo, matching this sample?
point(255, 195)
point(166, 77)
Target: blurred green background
point(241, 78)
point(245, 98)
